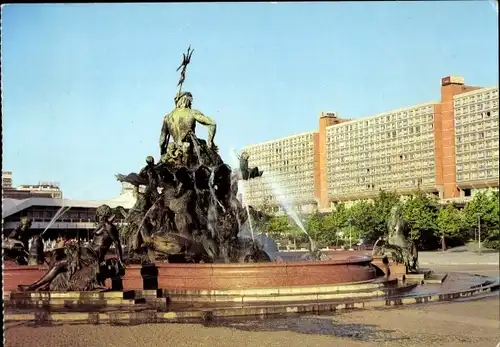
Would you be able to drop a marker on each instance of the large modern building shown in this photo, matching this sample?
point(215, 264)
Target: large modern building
point(448, 148)
point(290, 167)
point(476, 140)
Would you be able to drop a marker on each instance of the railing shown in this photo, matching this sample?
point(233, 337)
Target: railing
point(60, 224)
point(64, 220)
point(56, 225)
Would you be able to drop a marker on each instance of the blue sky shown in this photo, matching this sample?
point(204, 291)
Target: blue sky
point(85, 87)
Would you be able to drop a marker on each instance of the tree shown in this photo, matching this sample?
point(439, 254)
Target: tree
point(337, 218)
point(263, 214)
point(420, 212)
point(362, 219)
point(295, 232)
point(382, 206)
point(335, 223)
point(265, 207)
point(276, 227)
point(449, 223)
point(315, 226)
point(493, 237)
point(483, 208)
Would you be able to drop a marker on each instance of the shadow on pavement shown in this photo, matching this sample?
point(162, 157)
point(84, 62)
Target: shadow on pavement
point(28, 324)
point(321, 325)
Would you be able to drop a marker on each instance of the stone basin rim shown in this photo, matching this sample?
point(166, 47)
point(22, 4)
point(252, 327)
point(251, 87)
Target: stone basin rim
point(347, 261)
point(354, 259)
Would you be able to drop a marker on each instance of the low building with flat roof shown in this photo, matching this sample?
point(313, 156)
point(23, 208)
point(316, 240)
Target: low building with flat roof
point(60, 216)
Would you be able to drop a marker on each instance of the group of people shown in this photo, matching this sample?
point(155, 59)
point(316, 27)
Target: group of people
point(27, 246)
point(51, 244)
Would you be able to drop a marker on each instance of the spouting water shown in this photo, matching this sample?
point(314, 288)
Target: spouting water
point(241, 190)
point(212, 207)
point(234, 201)
point(283, 202)
point(196, 147)
point(58, 215)
point(148, 212)
point(241, 187)
point(250, 221)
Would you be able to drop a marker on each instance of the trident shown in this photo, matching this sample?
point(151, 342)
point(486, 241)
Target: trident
point(186, 58)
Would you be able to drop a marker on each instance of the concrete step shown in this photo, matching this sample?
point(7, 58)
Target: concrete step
point(168, 300)
point(72, 303)
point(90, 295)
point(162, 298)
point(220, 311)
point(435, 279)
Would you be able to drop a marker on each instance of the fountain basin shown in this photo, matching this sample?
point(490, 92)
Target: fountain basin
point(14, 274)
point(209, 277)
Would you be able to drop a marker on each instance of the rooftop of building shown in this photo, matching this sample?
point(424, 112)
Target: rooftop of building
point(474, 92)
point(280, 139)
point(385, 113)
point(12, 206)
point(450, 80)
point(53, 185)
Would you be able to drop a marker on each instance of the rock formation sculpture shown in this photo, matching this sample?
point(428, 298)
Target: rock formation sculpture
point(188, 210)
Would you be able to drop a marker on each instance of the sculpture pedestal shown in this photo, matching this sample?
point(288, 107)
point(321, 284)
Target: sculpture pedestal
point(390, 267)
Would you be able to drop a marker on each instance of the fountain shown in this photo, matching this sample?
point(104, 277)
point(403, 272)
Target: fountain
point(284, 203)
point(195, 198)
point(191, 245)
point(58, 215)
point(314, 253)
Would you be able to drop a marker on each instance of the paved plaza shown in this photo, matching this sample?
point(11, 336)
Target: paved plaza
point(473, 323)
point(458, 257)
point(459, 323)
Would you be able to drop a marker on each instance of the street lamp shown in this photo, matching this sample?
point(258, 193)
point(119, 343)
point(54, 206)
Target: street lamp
point(350, 233)
point(479, 232)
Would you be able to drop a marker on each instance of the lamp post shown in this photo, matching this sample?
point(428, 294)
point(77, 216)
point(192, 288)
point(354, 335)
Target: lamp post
point(350, 234)
point(479, 232)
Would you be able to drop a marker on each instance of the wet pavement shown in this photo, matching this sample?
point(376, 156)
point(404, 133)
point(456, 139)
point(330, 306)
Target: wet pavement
point(473, 323)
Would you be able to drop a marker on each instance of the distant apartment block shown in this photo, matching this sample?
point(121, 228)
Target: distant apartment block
point(42, 189)
point(476, 140)
point(6, 179)
point(447, 148)
point(391, 151)
point(50, 188)
point(289, 165)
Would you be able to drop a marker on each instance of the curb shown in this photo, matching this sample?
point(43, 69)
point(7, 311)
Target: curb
point(153, 316)
point(163, 301)
point(162, 298)
point(458, 264)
